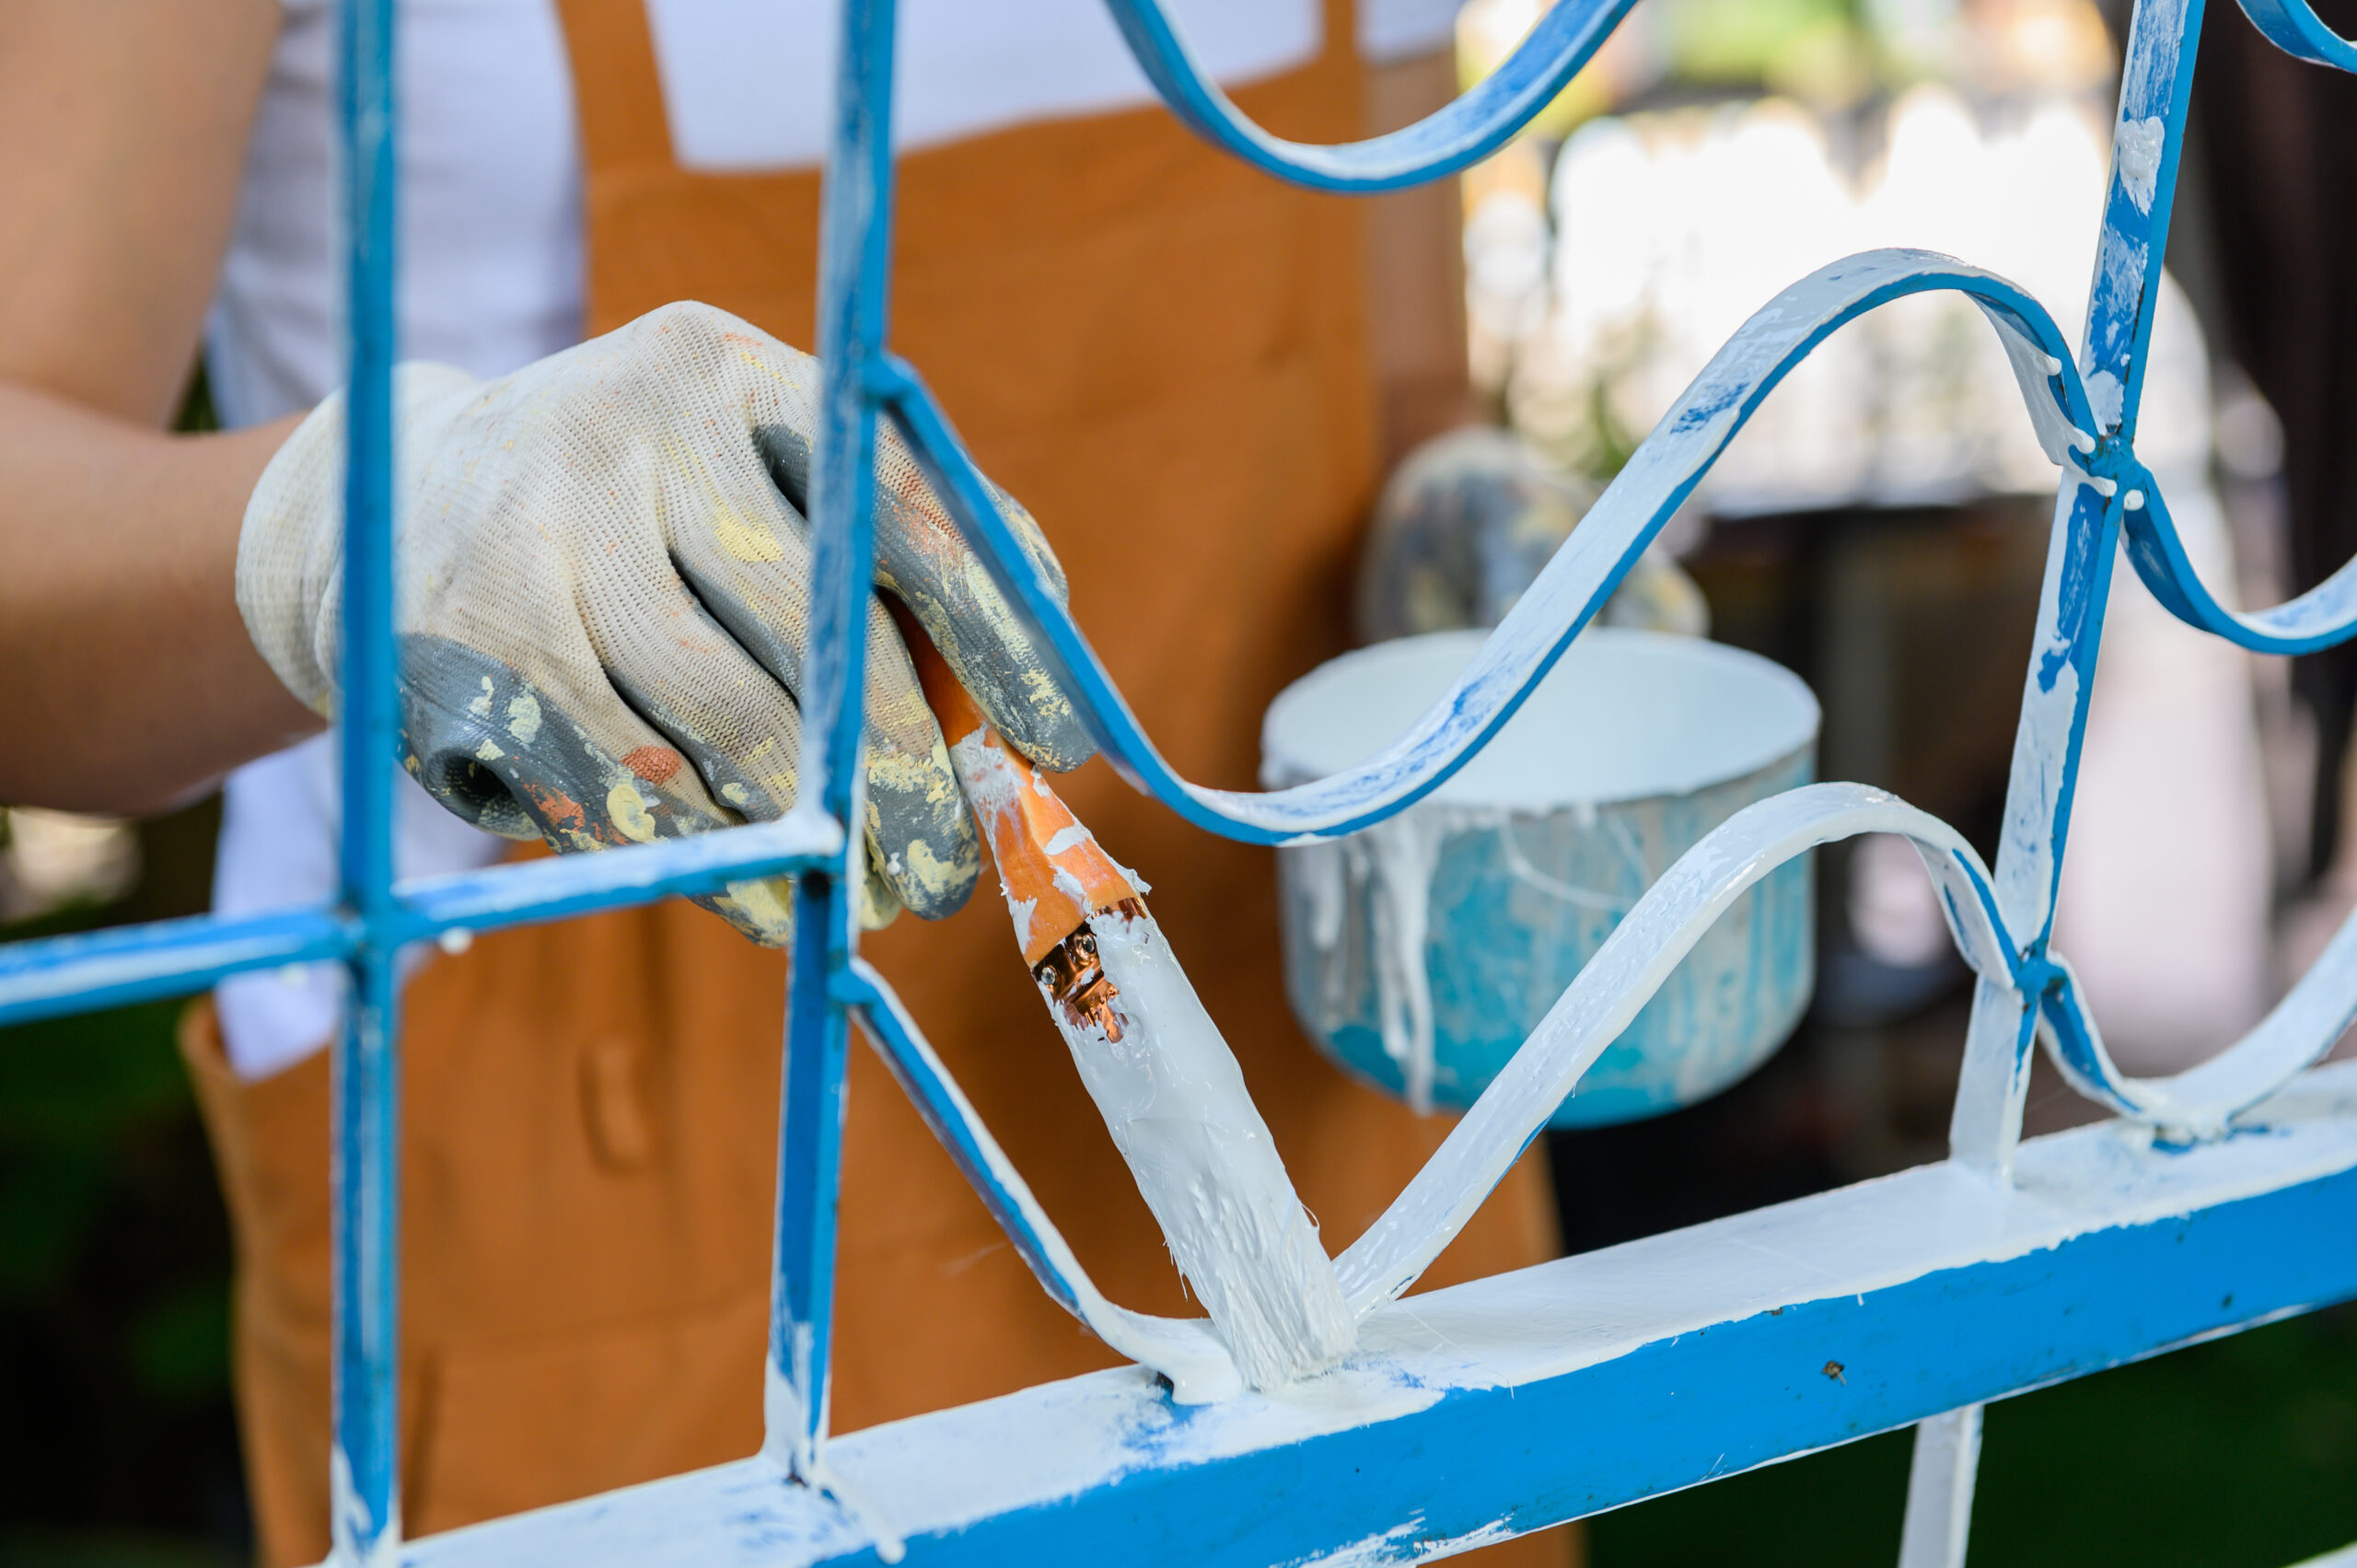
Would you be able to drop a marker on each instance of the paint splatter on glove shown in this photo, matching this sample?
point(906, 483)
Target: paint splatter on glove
point(602, 599)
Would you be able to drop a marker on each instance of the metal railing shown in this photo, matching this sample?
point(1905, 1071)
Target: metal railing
point(2281, 1222)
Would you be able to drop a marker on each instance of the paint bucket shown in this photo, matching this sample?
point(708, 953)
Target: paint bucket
point(1420, 953)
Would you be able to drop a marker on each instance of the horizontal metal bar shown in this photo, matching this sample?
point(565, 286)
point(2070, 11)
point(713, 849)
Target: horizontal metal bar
point(138, 963)
point(635, 873)
point(1514, 1402)
point(89, 972)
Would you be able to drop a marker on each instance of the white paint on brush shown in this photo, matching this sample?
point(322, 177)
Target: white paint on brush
point(1175, 1101)
point(992, 783)
point(1175, 1104)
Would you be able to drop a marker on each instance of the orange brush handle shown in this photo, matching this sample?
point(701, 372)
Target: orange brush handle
point(1045, 857)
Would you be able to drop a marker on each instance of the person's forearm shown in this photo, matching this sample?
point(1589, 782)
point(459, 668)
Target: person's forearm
point(127, 680)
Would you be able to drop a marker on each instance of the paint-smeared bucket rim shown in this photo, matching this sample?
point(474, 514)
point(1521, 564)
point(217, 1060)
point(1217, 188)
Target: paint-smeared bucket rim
point(1624, 715)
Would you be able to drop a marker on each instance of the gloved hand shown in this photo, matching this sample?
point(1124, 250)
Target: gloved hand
point(602, 595)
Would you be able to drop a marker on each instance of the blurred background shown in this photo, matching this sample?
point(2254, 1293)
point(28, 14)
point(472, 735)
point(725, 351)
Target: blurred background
point(1880, 529)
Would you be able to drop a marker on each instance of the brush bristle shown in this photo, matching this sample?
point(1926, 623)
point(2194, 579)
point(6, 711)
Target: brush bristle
point(1176, 1103)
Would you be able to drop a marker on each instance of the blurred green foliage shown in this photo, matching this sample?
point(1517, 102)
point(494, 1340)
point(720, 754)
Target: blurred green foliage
point(118, 1447)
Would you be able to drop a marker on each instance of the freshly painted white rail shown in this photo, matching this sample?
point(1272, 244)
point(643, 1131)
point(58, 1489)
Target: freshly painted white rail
point(1476, 1413)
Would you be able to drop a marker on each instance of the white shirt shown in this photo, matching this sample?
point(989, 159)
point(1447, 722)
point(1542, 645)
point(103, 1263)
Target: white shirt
point(490, 269)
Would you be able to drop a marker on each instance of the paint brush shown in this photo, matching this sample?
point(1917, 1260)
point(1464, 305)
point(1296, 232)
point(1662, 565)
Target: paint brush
point(1164, 1079)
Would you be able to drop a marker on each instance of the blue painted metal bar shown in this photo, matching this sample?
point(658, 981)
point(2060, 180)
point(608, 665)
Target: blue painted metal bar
point(87, 972)
point(1476, 124)
point(634, 874)
point(1514, 1402)
point(83, 974)
point(2324, 617)
point(2293, 27)
point(1567, 595)
point(854, 268)
point(1186, 1350)
point(2156, 82)
point(365, 1504)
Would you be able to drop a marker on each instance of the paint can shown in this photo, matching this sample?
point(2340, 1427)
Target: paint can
point(1420, 953)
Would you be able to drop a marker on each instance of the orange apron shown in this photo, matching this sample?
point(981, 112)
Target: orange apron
point(1164, 354)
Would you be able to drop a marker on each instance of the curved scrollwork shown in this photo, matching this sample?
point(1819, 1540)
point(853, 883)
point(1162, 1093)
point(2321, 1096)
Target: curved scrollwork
point(2204, 1101)
point(1633, 963)
point(2105, 484)
point(1469, 130)
point(1566, 595)
point(1485, 117)
point(2324, 616)
point(1616, 983)
point(2293, 27)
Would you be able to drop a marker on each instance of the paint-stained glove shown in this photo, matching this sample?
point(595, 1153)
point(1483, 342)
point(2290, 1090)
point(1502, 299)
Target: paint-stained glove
point(602, 597)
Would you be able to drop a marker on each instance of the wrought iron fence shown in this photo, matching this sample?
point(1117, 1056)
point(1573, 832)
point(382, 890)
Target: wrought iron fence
point(1499, 1407)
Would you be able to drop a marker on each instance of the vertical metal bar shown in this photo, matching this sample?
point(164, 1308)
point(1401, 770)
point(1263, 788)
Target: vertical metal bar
point(2156, 85)
point(854, 279)
point(364, 1479)
point(1939, 1490)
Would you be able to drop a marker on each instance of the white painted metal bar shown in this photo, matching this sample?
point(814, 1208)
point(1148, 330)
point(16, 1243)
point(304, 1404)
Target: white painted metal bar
point(2345, 1558)
point(1939, 1490)
point(1476, 1413)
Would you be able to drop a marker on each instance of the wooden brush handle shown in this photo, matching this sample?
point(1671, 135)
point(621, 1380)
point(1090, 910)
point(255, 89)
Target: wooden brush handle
point(1049, 868)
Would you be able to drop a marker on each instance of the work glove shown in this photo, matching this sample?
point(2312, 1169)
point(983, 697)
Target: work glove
point(602, 602)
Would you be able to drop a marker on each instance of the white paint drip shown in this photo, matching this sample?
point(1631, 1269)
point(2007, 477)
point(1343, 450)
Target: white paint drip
point(1175, 1101)
point(1407, 1543)
point(1394, 863)
point(1066, 838)
point(2106, 396)
point(2033, 370)
point(1402, 855)
point(785, 1445)
point(2136, 150)
point(349, 1522)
